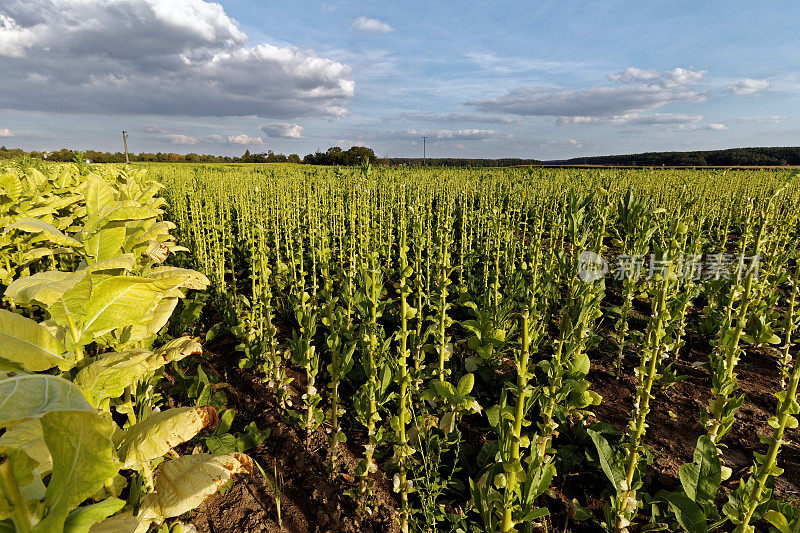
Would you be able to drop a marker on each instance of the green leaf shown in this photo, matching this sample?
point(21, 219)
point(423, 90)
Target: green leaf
point(22, 466)
point(689, 515)
point(160, 432)
point(108, 377)
point(465, 384)
point(44, 288)
point(29, 345)
point(701, 479)
point(83, 459)
point(122, 523)
point(82, 519)
point(39, 227)
point(779, 521)
point(105, 244)
point(98, 194)
point(608, 461)
point(121, 301)
point(28, 396)
point(28, 436)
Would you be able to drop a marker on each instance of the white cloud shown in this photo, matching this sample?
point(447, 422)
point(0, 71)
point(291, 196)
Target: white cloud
point(455, 117)
point(182, 57)
point(450, 135)
point(177, 138)
point(283, 129)
point(774, 119)
point(637, 119)
point(370, 25)
point(572, 143)
point(716, 126)
point(748, 86)
point(245, 139)
point(676, 76)
point(157, 133)
point(14, 39)
point(636, 91)
point(5, 132)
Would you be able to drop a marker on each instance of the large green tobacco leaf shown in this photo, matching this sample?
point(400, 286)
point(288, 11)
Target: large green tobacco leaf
point(146, 231)
point(160, 432)
point(44, 288)
point(29, 346)
point(122, 523)
point(82, 519)
point(28, 436)
point(105, 244)
point(98, 194)
point(155, 320)
point(120, 301)
point(26, 396)
point(119, 262)
point(69, 309)
point(108, 377)
point(48, 231)
point(83, 459)
point(11, 186)
point(193, 278)
point(184, 483)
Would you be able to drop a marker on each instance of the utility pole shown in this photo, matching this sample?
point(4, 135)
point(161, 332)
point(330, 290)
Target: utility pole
point(423, 150)
point(125, 143)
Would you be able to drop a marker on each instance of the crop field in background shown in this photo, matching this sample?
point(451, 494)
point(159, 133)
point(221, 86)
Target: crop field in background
point(295, 348)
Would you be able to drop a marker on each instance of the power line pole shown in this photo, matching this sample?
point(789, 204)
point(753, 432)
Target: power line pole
point(125, 143)
point(423, 150)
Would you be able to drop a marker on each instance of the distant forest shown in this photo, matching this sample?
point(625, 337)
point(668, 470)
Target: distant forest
point(724, 158)
point(731, 157)
point(787, 156)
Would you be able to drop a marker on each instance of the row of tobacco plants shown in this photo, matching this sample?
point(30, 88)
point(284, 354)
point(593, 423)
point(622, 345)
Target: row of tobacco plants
point(86, 442)
point(444, 323)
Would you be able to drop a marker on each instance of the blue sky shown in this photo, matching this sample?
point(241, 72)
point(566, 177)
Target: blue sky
point(486, 79)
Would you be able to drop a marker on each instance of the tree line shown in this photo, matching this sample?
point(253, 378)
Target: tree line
point(333, 156)
point(355, 155)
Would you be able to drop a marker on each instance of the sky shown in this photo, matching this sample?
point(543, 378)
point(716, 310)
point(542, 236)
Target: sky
point(543, 80)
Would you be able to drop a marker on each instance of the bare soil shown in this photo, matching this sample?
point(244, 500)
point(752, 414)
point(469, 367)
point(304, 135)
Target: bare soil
point(314, 500)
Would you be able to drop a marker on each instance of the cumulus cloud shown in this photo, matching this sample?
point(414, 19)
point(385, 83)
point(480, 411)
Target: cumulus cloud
point(185, 57)
point(157, 133)
point(455, 117)
point(283, 129)
point(748, 86)
point(370, 25)
point(636, 90)
point(5, 132)
point(716, 126)
point(244, 139)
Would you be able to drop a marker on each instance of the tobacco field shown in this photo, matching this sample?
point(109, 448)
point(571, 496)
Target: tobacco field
point(276, 347)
